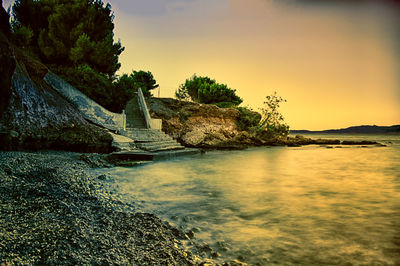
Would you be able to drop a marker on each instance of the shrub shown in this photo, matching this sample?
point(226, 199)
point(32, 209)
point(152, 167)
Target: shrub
point(207, 90)
point(248, 119)
point(272, 120)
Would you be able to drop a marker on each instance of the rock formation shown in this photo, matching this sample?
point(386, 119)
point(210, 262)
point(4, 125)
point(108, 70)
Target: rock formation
point(200, 125)
point(32, 115)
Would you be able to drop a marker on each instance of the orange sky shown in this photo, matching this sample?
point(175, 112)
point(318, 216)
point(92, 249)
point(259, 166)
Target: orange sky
point(337, 64)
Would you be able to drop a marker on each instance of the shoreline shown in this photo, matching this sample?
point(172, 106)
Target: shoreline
point(53, 210)
point(56, 209)
point(289, 141)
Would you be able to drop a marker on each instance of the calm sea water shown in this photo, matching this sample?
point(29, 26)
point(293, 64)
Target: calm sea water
point(308, 205)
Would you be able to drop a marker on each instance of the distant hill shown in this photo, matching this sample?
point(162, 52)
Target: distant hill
point(354, 130)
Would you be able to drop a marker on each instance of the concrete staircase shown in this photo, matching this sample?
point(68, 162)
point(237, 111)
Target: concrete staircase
point(134, 116)
point(152, 140)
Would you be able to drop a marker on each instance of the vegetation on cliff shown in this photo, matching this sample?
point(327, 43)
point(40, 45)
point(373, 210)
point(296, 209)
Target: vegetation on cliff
point(270, 123)
point(207, 90)
point(75, 40)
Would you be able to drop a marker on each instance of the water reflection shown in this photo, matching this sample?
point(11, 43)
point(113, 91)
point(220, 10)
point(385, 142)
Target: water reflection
point(308, 205)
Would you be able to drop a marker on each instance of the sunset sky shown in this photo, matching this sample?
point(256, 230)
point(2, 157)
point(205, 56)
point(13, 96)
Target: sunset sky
point(336, 62)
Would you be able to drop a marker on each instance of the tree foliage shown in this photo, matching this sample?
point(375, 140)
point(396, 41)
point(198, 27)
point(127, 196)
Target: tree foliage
point(129, 84)
point(75, 39)
point(207, 90)
point(71, 32)
point(144, 80)
point(272, 120)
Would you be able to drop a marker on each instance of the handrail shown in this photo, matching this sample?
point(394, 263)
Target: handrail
point(143, 107)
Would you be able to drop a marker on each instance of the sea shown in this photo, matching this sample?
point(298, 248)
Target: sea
point(309, 205)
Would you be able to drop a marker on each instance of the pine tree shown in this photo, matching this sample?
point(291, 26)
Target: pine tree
point(75, 39)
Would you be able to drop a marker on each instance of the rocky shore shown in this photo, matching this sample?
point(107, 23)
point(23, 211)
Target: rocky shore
point(300, 140)
point(210, 127)
point(54, 210)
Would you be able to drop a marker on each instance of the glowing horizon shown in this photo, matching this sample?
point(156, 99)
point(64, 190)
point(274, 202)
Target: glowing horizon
point(337, 64)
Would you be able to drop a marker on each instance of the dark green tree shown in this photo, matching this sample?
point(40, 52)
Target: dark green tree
point(207, 90)
point(145, 81)
point(137, 79)
point(75, 39)
point(127, 86)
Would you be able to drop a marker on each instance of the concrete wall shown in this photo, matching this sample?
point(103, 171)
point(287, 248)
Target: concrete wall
point(151, 122)
point(91, 110)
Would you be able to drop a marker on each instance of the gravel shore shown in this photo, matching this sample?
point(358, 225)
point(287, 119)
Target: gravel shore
point(54, 210)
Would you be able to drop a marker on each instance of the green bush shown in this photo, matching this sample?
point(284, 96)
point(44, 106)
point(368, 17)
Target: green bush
point(248, 119)
point(218, 93)
point(207, 90)
point(189, 89)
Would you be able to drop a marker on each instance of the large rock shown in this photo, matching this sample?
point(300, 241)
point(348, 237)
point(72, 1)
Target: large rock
point(199, 125)
point(39, 118)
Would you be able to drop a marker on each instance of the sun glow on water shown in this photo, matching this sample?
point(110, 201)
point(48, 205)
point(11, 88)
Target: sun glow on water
point(307, 205)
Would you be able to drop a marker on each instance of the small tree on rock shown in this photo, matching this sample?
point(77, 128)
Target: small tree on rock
point(272, 120)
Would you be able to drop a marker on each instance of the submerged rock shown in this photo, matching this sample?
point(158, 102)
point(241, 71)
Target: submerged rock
point(362, 142)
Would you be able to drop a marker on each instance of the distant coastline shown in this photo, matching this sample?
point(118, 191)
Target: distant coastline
point(395, 129)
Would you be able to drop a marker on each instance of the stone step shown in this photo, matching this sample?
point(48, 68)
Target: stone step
point(152, 140)
point(161, 142)
point(157, 148)
point(158, 145)
point(139, 138)
point(167, 149)
point(146, 135)
point(136, 123)
point(123, 143)
point(143, 130)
